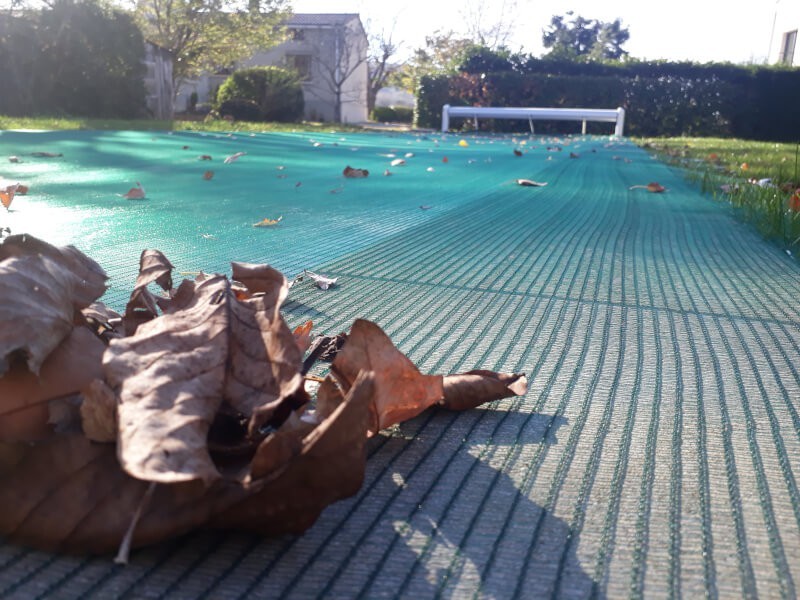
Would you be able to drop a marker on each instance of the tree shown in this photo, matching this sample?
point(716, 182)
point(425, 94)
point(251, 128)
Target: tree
point(442, 55)
point(381, 50)
point(73, 57)
point(206, 35)
point(585, 39)
point(340, 56)
point(489, 24)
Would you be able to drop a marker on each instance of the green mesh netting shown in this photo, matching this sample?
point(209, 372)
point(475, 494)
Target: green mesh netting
point(657, 451)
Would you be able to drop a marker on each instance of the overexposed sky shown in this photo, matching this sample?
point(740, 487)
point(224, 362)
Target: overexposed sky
point(697, 30)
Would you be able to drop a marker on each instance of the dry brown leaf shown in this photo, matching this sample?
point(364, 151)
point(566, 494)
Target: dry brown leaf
point(85, 502)
point(401, 391)
point(261, 279)
point(355, 173)
point(24, 396)
point(653, 187)
point(99, 412)
point(473, 388)
point(302, 335)
point(175, 373)
point(143, 305)
point(329, 467)
point(91, 279)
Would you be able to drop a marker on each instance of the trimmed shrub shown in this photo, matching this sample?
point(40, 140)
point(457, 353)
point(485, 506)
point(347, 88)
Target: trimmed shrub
point(392, 114)
point(262, 93)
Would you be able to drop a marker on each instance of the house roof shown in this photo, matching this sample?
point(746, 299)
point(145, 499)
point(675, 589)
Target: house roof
point(320, 19)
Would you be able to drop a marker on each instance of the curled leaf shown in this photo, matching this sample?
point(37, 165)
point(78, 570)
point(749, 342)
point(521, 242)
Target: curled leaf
point(90, 277)
point(153, 268)
point(473, 388)
point(233, 157)
point(329, 466)
point(401, 391)
point(135, 193)
point(653, 187)
point(265, 222)
point(322, 281)
point(530, 183)
point(355, 173)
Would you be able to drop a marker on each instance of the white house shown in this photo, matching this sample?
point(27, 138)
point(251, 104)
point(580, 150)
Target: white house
point(784, 48)
point(329, 51)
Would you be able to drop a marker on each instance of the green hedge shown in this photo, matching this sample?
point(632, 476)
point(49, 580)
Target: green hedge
point(71, 58)
point(263, 94)
point(392, 114)
point(660, 99)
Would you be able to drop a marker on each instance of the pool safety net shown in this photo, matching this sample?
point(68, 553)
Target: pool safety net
point(657, 451)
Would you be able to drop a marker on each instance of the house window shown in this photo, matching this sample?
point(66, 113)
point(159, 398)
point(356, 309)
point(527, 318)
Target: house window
point(298, 35)
point(300, 63)
point(786, 56)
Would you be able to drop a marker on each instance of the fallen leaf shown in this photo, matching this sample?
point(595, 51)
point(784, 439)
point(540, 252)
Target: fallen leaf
point(204, 157)
point(401, 391)
point(135, 193)
point(653, 187)
point(530, 183)
point(355, 173)
point(99, 412)
point(154, 267)
point(330, 466)
point(91, 279)
point(175, 373)
point(75, 362)
point(398, 162)
point(517, 152)
point(85, 503)
point(302, 335)
point(37, 310)
point(234, 157)
point(208, 175)
point(47, 154)
point(322, 281)
point(265, 222)
point(473, 388)
point(7, 193)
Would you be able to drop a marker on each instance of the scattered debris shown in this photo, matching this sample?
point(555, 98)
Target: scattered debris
point(234, 157)
point(322, 282)
point(653, 187)
point(135, 193)
point(355, 173)
point(265, 222)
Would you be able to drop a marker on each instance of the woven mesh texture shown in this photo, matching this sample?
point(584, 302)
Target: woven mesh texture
point(656, 453)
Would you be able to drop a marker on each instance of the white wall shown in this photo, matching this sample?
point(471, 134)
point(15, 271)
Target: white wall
point(787, 18)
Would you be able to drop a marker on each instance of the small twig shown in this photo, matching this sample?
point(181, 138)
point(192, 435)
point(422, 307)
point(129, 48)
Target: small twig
point(314, 378)
point(125, 547)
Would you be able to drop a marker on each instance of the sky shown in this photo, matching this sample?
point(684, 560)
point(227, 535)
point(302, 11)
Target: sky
point(696, 30)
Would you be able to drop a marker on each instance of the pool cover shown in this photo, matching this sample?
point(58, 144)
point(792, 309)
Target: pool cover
point(656, 452)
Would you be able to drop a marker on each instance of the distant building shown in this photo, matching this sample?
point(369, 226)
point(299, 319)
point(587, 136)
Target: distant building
point(784, 47)
point(329, 51)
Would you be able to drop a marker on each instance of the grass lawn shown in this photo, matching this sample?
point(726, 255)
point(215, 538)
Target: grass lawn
point(54, 123)
point(760, 179)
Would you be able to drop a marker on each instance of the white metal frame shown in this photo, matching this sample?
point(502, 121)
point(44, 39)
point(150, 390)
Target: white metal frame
point(604, 115)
